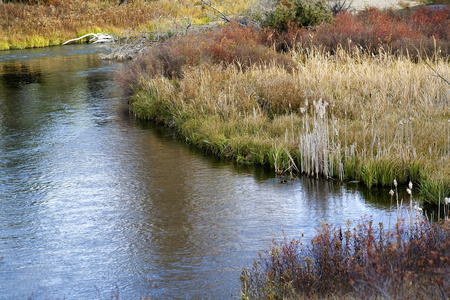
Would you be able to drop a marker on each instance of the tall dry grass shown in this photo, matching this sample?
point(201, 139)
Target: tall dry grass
point(55, 21)
point(371, 118)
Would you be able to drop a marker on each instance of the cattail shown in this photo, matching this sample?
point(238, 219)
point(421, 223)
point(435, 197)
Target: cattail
point(408, 190)
point(391, 192)
point(395, 182)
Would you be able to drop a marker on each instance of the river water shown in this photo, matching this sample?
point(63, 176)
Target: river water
point(94, 203)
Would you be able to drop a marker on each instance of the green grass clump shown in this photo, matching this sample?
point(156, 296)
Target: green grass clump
point(301, 13)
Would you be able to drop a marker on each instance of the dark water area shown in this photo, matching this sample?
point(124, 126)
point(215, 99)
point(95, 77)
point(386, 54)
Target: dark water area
point(95, 203)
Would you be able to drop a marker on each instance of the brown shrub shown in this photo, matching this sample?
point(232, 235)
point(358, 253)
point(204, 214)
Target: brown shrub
point(434, 21)
point(365, 261)
point(423, 30)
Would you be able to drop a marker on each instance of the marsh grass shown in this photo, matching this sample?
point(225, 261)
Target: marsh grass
point(353, 116)
point(51, 23)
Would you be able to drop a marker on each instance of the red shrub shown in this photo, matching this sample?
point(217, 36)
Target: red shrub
point(397, 31)
point(432, 21)
point(362, 262)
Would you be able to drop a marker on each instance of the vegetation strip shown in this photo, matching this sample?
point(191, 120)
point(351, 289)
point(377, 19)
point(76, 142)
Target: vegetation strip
point(367, 261)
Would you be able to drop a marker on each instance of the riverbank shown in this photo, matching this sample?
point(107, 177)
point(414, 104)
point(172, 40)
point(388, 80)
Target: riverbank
point(53, 22)
point(370, 115)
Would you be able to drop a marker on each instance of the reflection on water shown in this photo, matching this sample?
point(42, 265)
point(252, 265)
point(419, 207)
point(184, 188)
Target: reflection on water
point(15, 75)
point(91, 197)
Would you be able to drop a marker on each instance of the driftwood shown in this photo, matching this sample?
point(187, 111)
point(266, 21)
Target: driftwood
point(96, 38)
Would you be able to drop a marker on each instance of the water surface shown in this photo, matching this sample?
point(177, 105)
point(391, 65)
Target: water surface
point(93, 202)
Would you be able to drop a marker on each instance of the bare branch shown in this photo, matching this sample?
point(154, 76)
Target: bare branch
point(132, 43)
point(218, 12)
point(437, 74)
point(337, 6)
point(186, 20)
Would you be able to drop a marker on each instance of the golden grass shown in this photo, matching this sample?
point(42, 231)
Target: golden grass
point(27, 26)
point(369, 118)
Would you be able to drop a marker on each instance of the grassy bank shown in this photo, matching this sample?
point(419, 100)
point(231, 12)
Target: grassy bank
point(352, 113)
point(53, 22)
point(367, 126)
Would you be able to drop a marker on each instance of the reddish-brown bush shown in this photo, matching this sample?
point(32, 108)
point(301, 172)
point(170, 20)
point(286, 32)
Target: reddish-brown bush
point(433, 21)
point(365, 261)
point(423, 30)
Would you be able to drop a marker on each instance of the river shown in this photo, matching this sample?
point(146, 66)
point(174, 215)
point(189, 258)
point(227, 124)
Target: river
point(95, 204)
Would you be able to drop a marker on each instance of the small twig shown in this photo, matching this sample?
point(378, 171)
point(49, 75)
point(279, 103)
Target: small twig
point(437, 74)
point(184, 20)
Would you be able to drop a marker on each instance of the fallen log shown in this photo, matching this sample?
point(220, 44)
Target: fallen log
point(96, 38)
